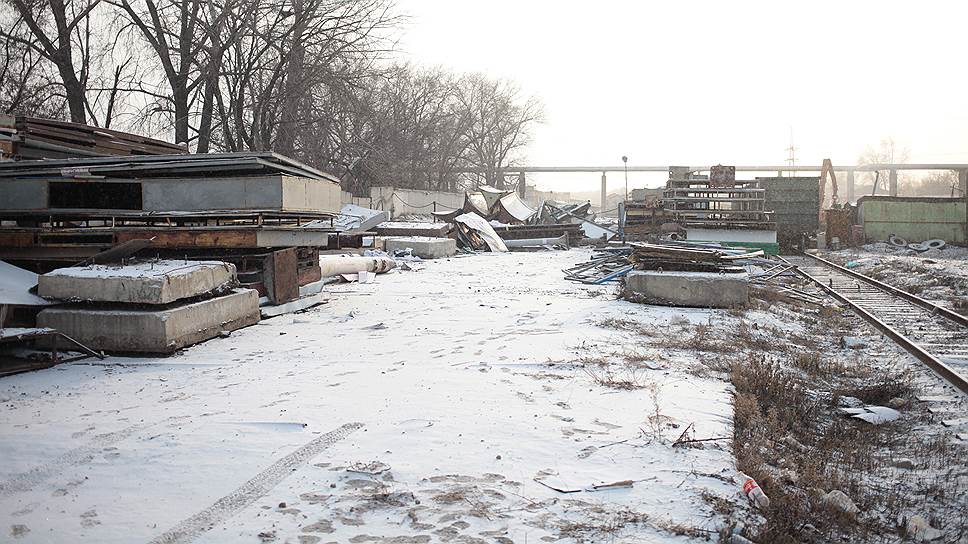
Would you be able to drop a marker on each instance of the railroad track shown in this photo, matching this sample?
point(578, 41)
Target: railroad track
point(936, 336)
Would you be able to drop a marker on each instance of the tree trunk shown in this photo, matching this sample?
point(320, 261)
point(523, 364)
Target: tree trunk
point(208, 102)
point(75, 94)
point(180, 101)
point(285, 143)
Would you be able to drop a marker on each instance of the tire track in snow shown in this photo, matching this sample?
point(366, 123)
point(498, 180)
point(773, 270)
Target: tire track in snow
point(27, 480)
point(229, 505)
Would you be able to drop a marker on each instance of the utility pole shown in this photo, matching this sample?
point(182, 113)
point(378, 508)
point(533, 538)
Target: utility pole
point(792, 157)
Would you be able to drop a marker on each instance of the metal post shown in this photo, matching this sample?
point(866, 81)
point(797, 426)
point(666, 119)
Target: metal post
point(892, 182)
point(621, 219)
point(850, 186)
point(604, 196)
point(522, 188)
point(963, 185)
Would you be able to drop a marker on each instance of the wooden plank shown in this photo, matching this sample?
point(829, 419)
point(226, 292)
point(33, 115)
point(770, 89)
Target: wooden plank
point(281, 277)
point(237, 238)
point(310, 274)
point(16, 239)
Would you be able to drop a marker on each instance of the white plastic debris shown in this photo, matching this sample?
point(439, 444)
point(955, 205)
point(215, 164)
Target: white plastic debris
point(838, 500)
point(852, 342)
point(873, 414)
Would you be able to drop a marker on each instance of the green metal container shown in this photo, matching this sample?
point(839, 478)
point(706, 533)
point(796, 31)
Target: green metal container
point(915, 219)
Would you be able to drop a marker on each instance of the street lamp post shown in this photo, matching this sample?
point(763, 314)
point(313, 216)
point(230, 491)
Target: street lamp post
point(625, 163)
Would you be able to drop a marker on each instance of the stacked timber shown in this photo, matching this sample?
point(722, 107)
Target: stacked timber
point(685, 257)
point(25, 138)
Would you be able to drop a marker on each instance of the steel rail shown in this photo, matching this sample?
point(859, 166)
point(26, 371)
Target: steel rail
point(948, 374)
point(928, 305)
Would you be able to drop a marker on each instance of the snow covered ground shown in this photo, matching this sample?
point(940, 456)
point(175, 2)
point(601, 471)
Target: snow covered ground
point(457, 386)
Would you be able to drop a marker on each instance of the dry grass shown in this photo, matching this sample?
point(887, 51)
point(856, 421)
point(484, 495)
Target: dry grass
point(795, 397)
point(721, 505)
point(612, 378)
point(700, 337)
point(607, 527)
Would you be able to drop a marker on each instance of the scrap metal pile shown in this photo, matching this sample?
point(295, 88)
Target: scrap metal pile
point(780, 277)
point(612, 263)
point(518, 220)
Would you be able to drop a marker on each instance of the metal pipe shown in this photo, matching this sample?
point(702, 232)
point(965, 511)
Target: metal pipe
point(527, 242)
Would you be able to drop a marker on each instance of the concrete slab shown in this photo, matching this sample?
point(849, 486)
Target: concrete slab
point(697, 289)
point(154, 331)
point(422, 246)
point(159, 282)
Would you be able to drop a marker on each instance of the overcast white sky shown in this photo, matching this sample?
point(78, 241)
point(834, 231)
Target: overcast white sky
point(690, 82)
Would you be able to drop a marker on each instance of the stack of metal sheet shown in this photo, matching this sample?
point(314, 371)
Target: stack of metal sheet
point(34, 138)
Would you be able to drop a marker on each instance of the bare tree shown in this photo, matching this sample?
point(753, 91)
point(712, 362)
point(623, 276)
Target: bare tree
point(499, 120)
point(173, 31)
point(887, 152)
point(936, 183)
point(292, 74)
point(413, 130)
point(61, 33)
point(27, 86)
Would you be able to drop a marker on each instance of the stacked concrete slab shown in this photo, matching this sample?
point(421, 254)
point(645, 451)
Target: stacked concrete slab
point(150, 307)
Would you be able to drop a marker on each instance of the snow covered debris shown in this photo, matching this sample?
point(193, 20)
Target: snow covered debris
point(474, 386)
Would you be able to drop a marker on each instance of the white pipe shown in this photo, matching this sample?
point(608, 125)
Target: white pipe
point(339, 264)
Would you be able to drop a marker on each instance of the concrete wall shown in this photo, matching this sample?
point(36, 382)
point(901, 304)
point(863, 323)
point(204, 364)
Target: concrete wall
point(406, 201)
point(347, 197)
point(913, 218)
point(307, 194)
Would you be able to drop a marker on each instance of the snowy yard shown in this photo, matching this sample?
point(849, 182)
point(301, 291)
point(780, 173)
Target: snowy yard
point(459, 385)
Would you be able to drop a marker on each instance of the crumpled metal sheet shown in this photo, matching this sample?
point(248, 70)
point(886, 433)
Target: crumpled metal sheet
point(478, 226)
point(511, 209)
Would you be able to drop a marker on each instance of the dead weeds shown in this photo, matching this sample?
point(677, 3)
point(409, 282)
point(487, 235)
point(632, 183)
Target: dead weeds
point(790, 437)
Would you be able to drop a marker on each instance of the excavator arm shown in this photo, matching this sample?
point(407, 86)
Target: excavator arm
point(825, 170)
